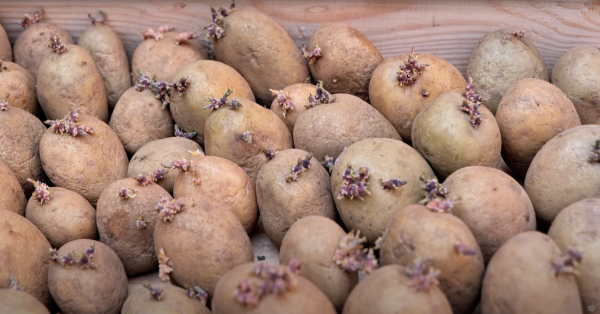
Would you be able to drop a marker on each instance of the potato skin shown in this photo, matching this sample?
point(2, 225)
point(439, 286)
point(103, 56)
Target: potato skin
point(500, 60)
point(82, 291)
point(17, 82)
point(401, 104)
point(299, 97)
point(138, 119)
point(388, 290)
point(519, 279)
point(84, 164)
point(326, 129)
point(386, 159)
point(531, 113)
point(12, 197)
point(577, 227)
point(5, 48)
point(175, 301)
point(14, 301)
point(313, 240)
point(282, 203)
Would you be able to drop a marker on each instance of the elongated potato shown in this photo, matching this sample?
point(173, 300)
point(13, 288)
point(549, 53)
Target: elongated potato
point(12, 197)
point(5, 48)
point(20, 85)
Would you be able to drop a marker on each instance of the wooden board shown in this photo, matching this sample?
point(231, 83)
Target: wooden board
point(449, 29)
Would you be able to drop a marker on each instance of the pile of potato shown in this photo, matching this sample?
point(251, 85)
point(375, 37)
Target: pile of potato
point(389, 185)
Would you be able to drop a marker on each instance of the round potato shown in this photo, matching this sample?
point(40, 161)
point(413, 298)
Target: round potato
point(15, 301)
point(12, 197)
point(16, 82)
point(290, 102)
point(174, 300)
point(5, 48)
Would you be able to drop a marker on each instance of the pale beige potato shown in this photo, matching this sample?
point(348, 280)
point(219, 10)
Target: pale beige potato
point(5, 48)
point(14, 301)
point(174, 301)
point(298, 95)
point(17, 82)
point(12, 196)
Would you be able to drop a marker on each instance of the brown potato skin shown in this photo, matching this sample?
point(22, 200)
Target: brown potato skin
point(138, 119)
point(31, 46)
point(561, 174)
point(531, 113)
point(519, 279)
point(223, 135)
point(14, 301)
point(221, 181)
point(117, 220)
point(67, 217)
point(175, 301)
point(500, 60)
point(299, 97)
point(164, 57)
point(82, 291)
point(388, 290)
point(282, 203)
point(17, 82)
point(348, 59)
point(152, 155)
point(326, 129)
point(386, 159)
point(306, 298)
point(225, 243)
point(416, 232)
point(84, 164)
point(313, 241)
point(210, 79)
point(24, 253)
point(401, 104)
point(5, 48)
point(576, 227)
point(12, 197)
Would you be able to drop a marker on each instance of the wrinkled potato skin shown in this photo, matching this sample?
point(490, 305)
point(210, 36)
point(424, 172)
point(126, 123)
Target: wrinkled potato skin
point(531, 113)
point(14, 301)
point(12, 197)
point(223, 135)
point(5, 48)
point(306, 298)
point(138, 119)
point(175, 301)
point(117, 220)
point(152, 155)
point(84, 164)
point(416, 232)
point(386, 159)
point(60, 91)
point(443, 134)
point(282, 203)
point(492, 204)
point(401, 104)
point(299, 97)
point(210, 79)
point(225, 243)
point(31, 46)
point(326, 129)
point(500, 60)
point(107, 50)
point(519, 279)
point(348, 59)
point(262, 52)
point(67, 217)
point(577, 227)
point(388, 290)
point(17, 82)
point(76, 290)
point(164, 57)
point(222, 181)
point(24, 253)
point(313, 240)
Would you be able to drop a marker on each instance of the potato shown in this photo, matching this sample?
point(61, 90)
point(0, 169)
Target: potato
point(561, 174)
point(138, 119)
point(5, 48)
point(519, 279)
point(64, 217)
point(84, 164)
point(441, 241)
point(400, 103)
point(261, 51)
point(304, 298)
point(385, 159)
point(576, 227)
point(12, 197)
point(314, 240)
point(296, 98)
point(15, 301)
point(492, 204)
point(327, 129)
point(225, 243)
point(389, 290)
point(222, 181)
point(24, 254)
point(502, 58)
point(88, 289)
point(174, 301)
point(19, 84)
point(209, 79)
point(224, 135)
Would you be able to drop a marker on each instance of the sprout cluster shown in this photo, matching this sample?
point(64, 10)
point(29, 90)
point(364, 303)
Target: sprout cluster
point(183, 38)
point(154, 176)
point(162, 90)
point(311, 56)
point(328, 163)
point(215, 29)
point(409, 72)
point(141, 223)
point(28, 20)
point(99, 20)
point(352, 256)
point(433, 189)
point(299, 168)
point(247, 136)
point(419, 280)
point(167, 209)
point(14, 284)
point(440, 205)
point(196, 292)
point(353, 184)
point(164, 266)
point(215, 104)
point(180, 133)
point(266, 279)
point(321, 96)
point(463, 249)
point(392, 184)
point(283, 98)
point(520, 33)
point(595, 153)
point(83, 260)
point(566, 262)
point(41, 193)
point(155, 292)
point(269, 153)
point(69, 125)
point(57, 45)
point(180, 164)
point(157, 35)
point(126, 193)
point(471, 105)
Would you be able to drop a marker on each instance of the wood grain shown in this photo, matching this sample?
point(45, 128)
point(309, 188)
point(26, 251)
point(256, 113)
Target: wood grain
point(448, 29)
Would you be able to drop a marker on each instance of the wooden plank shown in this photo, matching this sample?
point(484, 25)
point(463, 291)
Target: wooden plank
point(449, 29)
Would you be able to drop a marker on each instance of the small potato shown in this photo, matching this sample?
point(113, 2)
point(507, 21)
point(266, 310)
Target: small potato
point(174, 301)
point(12, 197)
point(15, 301)
point(5, 48)
point(294, 97)
point(19, 84)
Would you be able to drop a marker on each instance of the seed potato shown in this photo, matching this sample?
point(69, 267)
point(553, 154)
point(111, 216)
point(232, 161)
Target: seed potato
point(15, 301)
point(297, 95)
point(16, 82)
point(174, 301)
point(12, 197)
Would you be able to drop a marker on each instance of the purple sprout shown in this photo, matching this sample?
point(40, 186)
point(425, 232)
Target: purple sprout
point(196, 181)
point(157, 35)
point(567, 262)
point(143, 82)
point(70, 125)
point(167, 209)
point(215, 29)
point(392, 184)
point(126, 193)
point(269, 153)
point(234, 104)
point(311, 56)
point(267, 279)
point(321, 96)
point(352, 256)
point(594, 155)
point(155, 292)
point(180, 133)
point(141, 223)
point(180, 164)
point(409, 72)
point(85, 260)
point(57, 45)
point(354, 185)
point(183, 38)
point(196, 292)
point(41, 193)
point(217, 103)
point(283, 98)
point(463, 249)
point(142, 180)
point(471, 104)
point(28, 20)
point(182, 85)
point(419, 280)
point(433, 189)
point(164, 266)
point(300, 167)
point(161, 90)
point(440, 205)
point(520, 33)
point(14, 284)
point(247, 136)
point(53, 255)
point(158, 175)
point(100, 20)
point(66, 260)
point(328, 163)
